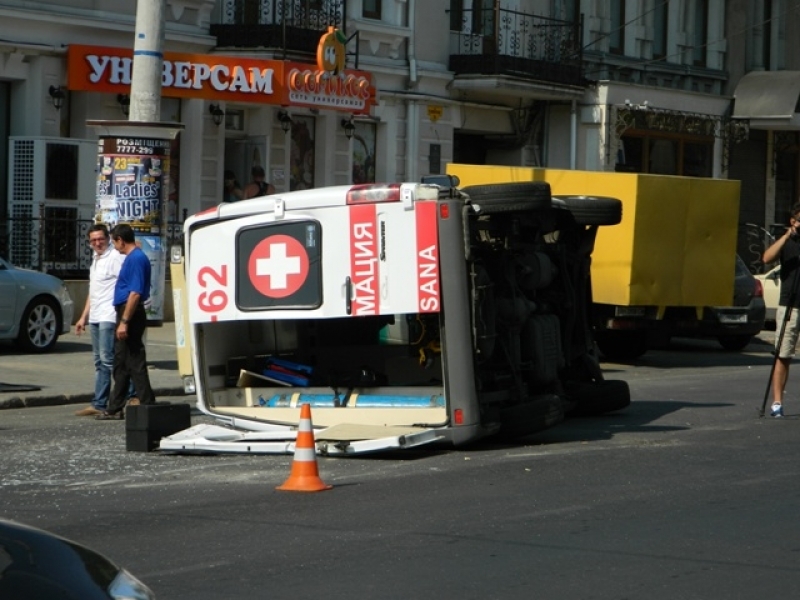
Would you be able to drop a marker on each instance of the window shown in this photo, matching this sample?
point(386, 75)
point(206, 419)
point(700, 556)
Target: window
point(476, 17)
point(660, 23)
point(484, 17)
point(787, 152)
point(247, 12)
point(456, 15)
point(371, 9)
point(700, 32)
point(766, 39)
point(665, 154)
point(697, 159)
point(663, 159)
point(301, 175)
point(566, 10)
point(61, 172)
point(364, 152)
point(616, 36)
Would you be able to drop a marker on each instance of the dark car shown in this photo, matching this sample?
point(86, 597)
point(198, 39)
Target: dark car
point(734, 326)
point(35, 564)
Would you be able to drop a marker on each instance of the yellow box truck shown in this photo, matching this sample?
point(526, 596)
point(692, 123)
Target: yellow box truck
point(655, 273)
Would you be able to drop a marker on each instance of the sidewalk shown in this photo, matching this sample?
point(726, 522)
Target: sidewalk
point(66, 375)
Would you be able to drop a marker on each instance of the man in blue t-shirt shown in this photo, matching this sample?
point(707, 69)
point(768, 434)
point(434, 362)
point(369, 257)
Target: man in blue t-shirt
point(130, 293)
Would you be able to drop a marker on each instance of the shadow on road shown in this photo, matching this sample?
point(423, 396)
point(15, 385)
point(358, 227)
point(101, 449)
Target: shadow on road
point(683, 353)
point(637, 418)
point(8, 348)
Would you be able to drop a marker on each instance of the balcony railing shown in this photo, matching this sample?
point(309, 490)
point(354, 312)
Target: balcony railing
point(498, 41)
point(290, 26)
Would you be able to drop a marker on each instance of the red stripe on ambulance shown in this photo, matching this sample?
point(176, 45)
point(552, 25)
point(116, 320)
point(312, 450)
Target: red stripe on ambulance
point(364, 259)
point(427, 257)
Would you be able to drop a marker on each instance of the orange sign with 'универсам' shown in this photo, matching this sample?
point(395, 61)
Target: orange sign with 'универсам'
point(224, 78)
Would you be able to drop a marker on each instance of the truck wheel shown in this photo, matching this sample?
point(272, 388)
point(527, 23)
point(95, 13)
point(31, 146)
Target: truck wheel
point(734, 343)
point(508, 197)
point(591, 210)
point(589, 399)
point(623, 345)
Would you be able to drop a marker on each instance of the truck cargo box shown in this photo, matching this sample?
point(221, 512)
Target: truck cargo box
point(675, 246)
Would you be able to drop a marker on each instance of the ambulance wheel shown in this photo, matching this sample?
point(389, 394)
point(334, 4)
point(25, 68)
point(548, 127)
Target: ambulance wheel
point(591, 210)
point(536, 414)
point(509, 197)
point(589, 399)
point(621, 345)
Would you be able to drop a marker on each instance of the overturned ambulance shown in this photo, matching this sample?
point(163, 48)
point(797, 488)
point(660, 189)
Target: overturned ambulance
point(404, 314)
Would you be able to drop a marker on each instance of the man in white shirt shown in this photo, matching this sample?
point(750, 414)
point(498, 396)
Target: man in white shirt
point(100, 316)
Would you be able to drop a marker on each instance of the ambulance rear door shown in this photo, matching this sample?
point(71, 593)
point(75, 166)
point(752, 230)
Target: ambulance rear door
point(329, 253)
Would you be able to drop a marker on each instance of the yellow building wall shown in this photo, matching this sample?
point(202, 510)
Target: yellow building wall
point(675, 245)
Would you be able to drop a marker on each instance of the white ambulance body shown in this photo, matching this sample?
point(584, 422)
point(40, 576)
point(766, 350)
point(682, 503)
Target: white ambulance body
point(404, 314)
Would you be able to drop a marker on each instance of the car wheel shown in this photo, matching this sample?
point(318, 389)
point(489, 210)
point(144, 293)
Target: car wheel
point(591, 210)
point(734, 343)
point(624, 345)
point(509, 197)
point(589, 399)
point(40, 327)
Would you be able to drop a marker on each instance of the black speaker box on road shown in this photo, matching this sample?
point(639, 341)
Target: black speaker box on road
point(146, 424)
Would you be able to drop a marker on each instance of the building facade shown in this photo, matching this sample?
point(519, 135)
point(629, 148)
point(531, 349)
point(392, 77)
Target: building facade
point(652, 86)
point(764, 82)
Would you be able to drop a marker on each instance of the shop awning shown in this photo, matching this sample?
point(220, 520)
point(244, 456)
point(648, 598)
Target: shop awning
point(769, 99)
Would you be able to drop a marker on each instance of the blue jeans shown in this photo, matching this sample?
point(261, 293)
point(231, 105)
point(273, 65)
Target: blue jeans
point(103, 351)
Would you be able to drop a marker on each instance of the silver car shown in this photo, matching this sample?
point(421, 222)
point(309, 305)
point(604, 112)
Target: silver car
point(35, 308)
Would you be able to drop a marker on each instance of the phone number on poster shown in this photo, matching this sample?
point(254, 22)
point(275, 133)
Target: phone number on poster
point(137, 146)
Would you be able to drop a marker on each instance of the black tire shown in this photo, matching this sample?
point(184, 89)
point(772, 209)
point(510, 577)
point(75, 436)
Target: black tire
point(509, 197)
point(734, 343)
point(536, 414)
point(591, 210)
point(40, 325)
point(622, 345)
point(589, 399)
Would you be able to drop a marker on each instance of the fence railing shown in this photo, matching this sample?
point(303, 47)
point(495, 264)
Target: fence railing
point(57, 245)
point(502, 41)
point(288, 24)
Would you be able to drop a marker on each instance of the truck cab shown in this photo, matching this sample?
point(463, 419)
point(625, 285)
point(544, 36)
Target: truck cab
point(403, 314)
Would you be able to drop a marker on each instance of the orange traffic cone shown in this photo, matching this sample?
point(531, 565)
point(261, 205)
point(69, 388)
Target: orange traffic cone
point(304, 476)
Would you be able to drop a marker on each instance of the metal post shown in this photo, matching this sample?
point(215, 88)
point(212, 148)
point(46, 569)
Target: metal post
point(148, 59)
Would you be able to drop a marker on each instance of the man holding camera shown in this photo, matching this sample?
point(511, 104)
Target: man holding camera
point(787, 250)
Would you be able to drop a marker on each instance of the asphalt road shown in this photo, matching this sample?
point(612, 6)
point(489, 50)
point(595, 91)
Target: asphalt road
point(686, 494)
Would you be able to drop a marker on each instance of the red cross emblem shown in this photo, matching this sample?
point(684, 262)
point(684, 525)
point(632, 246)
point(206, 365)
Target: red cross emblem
point(278, 266)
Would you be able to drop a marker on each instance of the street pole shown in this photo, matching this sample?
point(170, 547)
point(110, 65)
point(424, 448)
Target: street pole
point(148, 60)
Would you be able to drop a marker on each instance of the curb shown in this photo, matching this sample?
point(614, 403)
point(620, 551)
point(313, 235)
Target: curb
point(59, 400)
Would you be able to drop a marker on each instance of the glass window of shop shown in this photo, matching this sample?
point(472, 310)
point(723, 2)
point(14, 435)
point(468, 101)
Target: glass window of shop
point(665, 154)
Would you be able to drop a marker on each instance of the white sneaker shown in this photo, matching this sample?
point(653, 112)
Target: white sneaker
point(777, 410)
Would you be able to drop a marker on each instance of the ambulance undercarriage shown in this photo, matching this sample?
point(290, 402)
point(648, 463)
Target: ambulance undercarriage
point(432, 315)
